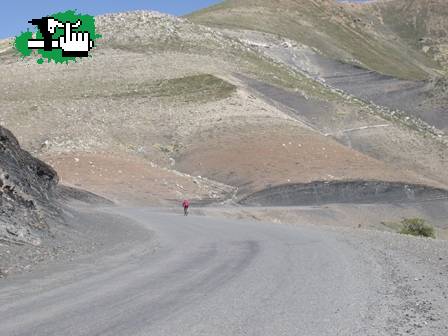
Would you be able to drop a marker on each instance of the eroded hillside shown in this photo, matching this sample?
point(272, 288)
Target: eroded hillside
point(167, 109)
point(41, 220)
point(400, 45)
point(422, 24)
point(335, 29)
point(26, 189)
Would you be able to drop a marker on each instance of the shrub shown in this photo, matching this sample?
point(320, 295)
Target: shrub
point(417, 227)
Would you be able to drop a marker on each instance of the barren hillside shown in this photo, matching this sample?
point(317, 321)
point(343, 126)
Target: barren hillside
point(167, 109)
point(328, 116)
point(335, 29)
point(422, 24)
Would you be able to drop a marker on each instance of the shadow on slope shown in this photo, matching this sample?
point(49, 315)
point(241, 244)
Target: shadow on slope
point(413, 97)
point(356, 192)
point(423, 99)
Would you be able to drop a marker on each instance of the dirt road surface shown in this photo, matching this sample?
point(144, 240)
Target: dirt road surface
point(206, 276)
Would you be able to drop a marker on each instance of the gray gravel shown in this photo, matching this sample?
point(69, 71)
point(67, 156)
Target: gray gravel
point(204, 276)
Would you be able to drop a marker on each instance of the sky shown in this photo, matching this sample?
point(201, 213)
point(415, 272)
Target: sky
point(15, 14)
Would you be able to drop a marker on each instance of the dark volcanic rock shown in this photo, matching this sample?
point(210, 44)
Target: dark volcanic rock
point(26, 187)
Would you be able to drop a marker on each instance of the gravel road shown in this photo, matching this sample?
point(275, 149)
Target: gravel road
point(206, 276)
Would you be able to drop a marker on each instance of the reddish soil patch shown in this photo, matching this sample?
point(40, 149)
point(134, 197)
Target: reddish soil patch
point(258, 155)
point(131, 179)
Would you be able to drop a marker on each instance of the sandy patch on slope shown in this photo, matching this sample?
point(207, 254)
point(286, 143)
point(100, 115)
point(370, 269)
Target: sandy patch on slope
point(271, 152)
point(131, 179)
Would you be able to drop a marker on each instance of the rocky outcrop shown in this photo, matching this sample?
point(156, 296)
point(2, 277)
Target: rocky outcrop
point(26, 188)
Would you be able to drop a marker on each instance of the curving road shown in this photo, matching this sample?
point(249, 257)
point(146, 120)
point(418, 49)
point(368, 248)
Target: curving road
point(204, 276)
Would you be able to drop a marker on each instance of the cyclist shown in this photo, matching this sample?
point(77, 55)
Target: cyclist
point(186, 205)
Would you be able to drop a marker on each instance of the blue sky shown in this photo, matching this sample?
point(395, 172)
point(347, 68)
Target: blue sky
point(15, 14)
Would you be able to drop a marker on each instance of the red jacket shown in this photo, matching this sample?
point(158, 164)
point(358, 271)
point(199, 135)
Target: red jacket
point(186, 204)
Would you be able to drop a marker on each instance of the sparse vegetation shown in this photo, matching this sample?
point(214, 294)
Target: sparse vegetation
point(190, 88)
point(204, 86)
point(421, 25)
point(195, 88)
point(332, 29)
point(277, 74)
point(181, 83)
point(417, 227)
point(392, 226)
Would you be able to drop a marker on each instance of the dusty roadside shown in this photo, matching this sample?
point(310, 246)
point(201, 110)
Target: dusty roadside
point(415, 277)
point(413, 297)
point(377, 217)
point(84, 231)
point(355, 280)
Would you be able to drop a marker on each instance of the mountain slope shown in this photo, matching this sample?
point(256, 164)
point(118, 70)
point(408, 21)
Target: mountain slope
point(422, 24)
point(387, 52)
point(164, 101)
point(334, 29)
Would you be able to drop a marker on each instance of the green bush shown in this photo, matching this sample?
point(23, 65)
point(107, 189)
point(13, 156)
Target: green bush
point(417, 227)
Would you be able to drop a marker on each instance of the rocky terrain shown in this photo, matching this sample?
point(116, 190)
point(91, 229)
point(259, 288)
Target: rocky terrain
point(27, 186)
point(184, 89)
point(243, 99)
point(37, 222)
